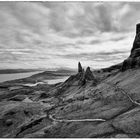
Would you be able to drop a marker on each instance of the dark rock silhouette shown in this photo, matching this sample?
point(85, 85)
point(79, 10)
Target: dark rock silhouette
point(137, 28)
point(80, 67)
point(82, 77)
point(83, 80)
point(136, 43)
point(88, 74)
point(133, 61)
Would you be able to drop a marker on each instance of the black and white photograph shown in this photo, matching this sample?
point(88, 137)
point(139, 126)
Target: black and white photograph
point(69, 69)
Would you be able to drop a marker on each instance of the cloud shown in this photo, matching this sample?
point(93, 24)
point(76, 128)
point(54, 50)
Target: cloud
point(101, 56)
point(54, 34)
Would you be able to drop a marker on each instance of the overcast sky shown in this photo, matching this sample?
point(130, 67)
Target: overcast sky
point(59, 34)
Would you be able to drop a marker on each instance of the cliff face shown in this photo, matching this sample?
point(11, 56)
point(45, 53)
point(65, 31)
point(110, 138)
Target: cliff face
point(136, 44)
point(133, 61)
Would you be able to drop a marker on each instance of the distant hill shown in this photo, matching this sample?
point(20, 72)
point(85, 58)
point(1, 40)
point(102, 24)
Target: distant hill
point(8, 71)
point(53, 74)
point(40, 76)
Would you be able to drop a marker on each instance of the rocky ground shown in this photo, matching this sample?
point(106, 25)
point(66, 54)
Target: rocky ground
point(100, 104)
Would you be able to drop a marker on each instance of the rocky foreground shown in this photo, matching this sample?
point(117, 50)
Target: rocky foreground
point(100, 104)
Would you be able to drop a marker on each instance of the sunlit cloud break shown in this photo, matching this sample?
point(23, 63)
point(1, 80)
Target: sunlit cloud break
point(59, 34)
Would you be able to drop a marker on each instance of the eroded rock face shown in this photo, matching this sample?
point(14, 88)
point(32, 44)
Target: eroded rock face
point(80, 67)
point(133, 61)
point(136, 43)
point(88, 74)
point(81, 78)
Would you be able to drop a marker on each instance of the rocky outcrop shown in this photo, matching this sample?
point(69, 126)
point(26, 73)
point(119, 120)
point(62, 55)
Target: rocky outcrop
point(81, 78)
point(85, 76)
point(136, 43)
point(133, 61)
point(130, 63)
point(88, 74)
point(79, 67)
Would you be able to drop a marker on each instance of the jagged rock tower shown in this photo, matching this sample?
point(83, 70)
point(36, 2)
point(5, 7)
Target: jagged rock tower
point(85, 76)
point(133, 61)
point(81, 78)
point(79, 67)
point(135, 52)
point(136, 43)
point(88, 74)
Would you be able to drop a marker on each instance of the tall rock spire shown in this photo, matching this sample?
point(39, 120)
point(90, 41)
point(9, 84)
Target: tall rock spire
point(136, 44)
point(80, 67)
point(137, 28)
point(133, 61)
